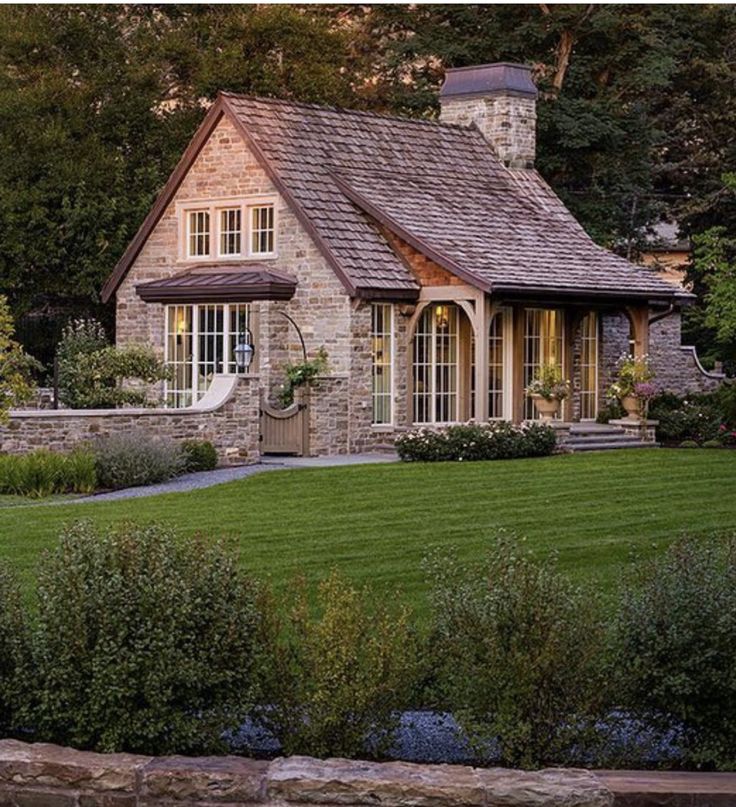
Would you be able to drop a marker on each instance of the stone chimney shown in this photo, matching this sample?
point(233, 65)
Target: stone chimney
point(501, 99)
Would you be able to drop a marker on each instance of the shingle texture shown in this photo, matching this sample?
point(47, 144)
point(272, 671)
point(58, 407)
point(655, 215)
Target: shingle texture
point(438, 185)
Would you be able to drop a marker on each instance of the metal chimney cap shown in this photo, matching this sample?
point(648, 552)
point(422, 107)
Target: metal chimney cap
point(489, 79)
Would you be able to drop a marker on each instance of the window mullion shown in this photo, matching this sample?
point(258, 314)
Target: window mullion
point(195, 352)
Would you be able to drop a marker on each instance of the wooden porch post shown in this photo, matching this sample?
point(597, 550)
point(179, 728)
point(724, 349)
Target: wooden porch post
point(481, 359)
point(639, 318)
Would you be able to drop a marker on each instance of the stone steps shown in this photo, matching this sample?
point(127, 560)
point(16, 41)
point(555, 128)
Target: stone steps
point(602, 437)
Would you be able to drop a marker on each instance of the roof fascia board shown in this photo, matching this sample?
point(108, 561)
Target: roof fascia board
point(282, 188)
point(412, 240)
point(201, 136)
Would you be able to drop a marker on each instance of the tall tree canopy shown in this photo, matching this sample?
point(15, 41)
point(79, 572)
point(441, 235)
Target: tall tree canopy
point(636, 112)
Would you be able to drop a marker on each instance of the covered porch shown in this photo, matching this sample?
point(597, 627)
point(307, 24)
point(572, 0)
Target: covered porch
point(472, 354)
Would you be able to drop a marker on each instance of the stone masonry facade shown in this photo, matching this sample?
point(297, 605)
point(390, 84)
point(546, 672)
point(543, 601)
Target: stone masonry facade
point(233, 427)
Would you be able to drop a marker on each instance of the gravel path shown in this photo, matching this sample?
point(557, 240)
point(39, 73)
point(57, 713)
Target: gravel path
point(206, 479)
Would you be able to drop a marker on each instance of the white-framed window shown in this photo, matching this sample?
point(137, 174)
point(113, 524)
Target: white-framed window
point(436, 361)
point(231, 230)
point(198, 233)
point(262, 232)
point(222, 229)
point(200, 342)
point(382, 350)
point(589, 367)
point(544, 339)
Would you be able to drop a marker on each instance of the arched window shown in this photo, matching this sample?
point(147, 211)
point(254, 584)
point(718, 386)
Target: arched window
point(436, 361)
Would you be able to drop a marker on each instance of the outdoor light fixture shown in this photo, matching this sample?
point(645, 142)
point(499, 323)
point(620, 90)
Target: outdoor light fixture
point(244, 351)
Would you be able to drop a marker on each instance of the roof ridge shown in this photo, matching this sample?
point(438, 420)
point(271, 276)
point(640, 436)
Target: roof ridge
point(338, 110)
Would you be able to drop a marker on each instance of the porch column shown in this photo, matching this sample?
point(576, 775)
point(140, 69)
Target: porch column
point(482, 320)
point(639, 318)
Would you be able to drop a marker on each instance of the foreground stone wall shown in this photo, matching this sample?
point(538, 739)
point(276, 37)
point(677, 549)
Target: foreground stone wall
point(232, 426)
point(50, 776)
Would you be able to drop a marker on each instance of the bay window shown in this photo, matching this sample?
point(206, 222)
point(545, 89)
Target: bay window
point(200, 342)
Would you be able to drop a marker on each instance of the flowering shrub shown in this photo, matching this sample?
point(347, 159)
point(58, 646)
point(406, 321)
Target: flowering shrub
point(692, 418)
point(492, 441)
point(630, 372)
point(302, 375)
point(548, 383)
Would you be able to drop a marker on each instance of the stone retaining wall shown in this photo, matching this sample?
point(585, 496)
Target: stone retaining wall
point(41, 775)
point(227, 417)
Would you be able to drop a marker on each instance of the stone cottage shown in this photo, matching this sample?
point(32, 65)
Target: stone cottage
point(429, 258)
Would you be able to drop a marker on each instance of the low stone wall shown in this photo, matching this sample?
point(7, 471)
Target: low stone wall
point(227, 416)
point(41, 775)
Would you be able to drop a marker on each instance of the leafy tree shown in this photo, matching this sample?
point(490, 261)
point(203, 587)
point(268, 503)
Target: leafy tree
point(16, 366)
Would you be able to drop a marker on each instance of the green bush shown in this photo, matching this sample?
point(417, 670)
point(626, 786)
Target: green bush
point(44, 473)
point(336, 683)
point(199, 455)
point(712, 444)
point(132, 459)
point(144, 643)
point(517, 654)
point(92, 373)
point(695, 417)
point(675, 640)
point(688, 444)
point(611, 410)
point(492, 441)
point(15, 664)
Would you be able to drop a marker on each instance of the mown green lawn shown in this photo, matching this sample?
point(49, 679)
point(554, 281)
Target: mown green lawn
point(596, 512)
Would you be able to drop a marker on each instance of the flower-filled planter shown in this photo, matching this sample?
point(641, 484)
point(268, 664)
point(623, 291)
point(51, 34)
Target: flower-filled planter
point(548, 389)
point(633, 386)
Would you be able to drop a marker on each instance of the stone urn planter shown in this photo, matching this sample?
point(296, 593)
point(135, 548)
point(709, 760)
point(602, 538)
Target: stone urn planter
point(547, 407)
point(632, 405)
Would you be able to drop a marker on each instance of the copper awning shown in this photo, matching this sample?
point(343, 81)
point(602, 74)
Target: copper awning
point(220, 284)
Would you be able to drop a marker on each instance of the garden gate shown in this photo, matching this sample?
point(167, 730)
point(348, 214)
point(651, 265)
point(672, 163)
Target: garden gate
point(285, 431)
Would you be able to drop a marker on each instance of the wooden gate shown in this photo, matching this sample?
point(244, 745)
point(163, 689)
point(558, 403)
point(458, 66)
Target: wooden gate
point(285, 431)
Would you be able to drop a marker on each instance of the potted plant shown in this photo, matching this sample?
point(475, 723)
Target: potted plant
point(633, 386)
point(547, 389)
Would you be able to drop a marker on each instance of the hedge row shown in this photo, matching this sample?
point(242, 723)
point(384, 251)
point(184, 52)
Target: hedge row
point(144, 642)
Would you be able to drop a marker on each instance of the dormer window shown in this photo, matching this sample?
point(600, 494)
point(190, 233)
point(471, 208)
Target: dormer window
point(199, 233)
point(223, 229)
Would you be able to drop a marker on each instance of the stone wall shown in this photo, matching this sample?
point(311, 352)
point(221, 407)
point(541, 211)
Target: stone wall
point(231, 424)
point(41, 775)
point(676, 366)
point(50, 776)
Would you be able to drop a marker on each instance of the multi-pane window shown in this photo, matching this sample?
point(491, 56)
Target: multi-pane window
point(262, 230)
point(382, 351)
point(230, 231)
point(589, 367)
point(436, 359)
point(199, 233)
point(543, 344)
point(200, 342)
point(496, 366)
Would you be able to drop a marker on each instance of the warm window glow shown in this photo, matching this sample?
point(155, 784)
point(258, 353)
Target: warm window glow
point(382, 350)
point(497, 366)
point(262, 230)
point(200, 342)
point(589, 367)
point(436, 358)
point(543, 344)
point(199, 233)
point(230, 231)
